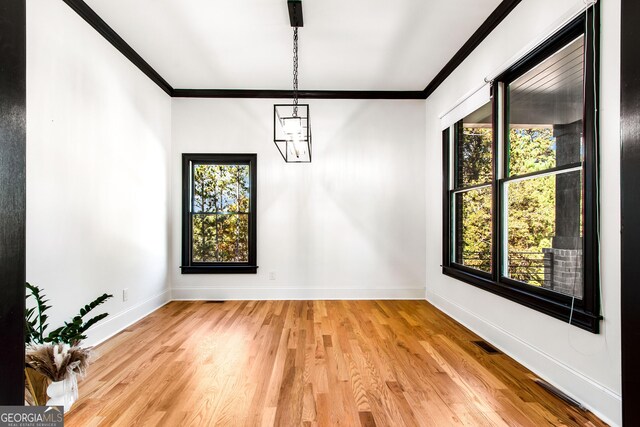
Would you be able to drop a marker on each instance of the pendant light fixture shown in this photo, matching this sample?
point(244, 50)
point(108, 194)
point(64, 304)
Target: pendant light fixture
point(291, 122)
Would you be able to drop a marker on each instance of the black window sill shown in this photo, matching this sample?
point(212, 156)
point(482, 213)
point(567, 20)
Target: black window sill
point(219, 269)
point(560, 310)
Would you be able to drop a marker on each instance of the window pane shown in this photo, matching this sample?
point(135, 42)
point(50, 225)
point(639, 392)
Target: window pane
point(243, 188)
point(227, 188)
point(233, 238)
point(205, 188)
point(243, 238)
point(203, 238)
point(234, 188)
point(545, 108)
point(221, 188)
point(474, 144)
point(222, 191)
point(472, 242)
point(544, 232)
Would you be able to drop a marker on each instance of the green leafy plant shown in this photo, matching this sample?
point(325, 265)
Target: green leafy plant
point(70, 333)
point(35, 317)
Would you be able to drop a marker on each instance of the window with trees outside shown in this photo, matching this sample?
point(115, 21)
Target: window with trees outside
point(218, 213)
point(472, 194)
point(520, 193)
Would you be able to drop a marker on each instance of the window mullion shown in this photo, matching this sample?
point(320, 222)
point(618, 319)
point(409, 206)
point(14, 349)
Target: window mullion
point(472, 187)
point(452, 159)
point(547, 172)
point(498, 123)
point(500, 131)
point(191, 188)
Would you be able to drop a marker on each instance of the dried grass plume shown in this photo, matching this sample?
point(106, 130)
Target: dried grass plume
point(58, 361)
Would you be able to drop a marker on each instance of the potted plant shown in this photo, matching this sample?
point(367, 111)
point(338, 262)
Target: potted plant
point(54, 361)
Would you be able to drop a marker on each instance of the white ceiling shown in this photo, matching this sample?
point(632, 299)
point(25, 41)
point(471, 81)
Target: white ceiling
point(344, 44)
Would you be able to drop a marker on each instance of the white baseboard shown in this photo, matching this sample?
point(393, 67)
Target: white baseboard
point(116, 323)
point(602, 401)
point(201, 293)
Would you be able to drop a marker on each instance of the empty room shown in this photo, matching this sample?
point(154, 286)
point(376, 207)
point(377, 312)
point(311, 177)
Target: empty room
point(319, 212)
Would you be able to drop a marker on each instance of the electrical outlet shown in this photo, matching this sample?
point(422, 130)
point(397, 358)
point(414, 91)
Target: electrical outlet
point(125, 294)
point(272, 275)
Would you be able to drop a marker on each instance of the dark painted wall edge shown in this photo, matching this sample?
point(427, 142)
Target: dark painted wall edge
point(92, 18)
point(13, 67)
point(630, 209)
point(496, 17)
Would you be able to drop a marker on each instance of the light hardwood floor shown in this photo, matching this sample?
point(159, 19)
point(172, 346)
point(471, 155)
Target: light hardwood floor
point(324, 363)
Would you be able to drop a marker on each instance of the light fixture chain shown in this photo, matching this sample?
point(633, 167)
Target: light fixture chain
point(295, 72)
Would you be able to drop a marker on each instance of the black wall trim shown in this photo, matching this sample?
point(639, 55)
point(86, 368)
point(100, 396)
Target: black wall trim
point(92, 18)
point(630, 210)
point(306, 94)
point(13, 67)
point(496, 17)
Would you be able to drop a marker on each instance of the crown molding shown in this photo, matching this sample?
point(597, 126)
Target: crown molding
point(496, 17)
point(98, 24)
point(92, 18)
point(303, 94)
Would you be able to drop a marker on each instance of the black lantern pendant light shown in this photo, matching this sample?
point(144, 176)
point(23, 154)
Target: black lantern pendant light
point(291, 122)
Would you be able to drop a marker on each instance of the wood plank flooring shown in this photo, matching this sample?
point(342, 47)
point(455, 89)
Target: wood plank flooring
point(309, 363)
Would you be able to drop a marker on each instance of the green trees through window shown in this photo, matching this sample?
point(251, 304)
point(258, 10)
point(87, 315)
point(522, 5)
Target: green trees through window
point(473, 182)
point(219, 213)
point(530, 204)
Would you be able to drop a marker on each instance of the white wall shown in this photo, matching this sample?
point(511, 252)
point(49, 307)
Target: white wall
point(585, 365)
point(349, 225)
point(98, 144)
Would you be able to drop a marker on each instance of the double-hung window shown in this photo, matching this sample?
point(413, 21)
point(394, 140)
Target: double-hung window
point(219, 213)
point(520, 185)
point(472, 194)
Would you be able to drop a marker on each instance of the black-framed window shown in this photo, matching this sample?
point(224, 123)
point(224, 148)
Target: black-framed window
point(520, 182)
point(472, 192)
point(219, 213)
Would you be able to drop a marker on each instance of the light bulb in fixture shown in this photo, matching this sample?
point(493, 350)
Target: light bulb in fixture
point(297, 146)
point(292, 125)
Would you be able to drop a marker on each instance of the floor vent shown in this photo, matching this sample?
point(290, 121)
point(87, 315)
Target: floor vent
point(213, 302)
point(488, 348)
point(558, 393)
